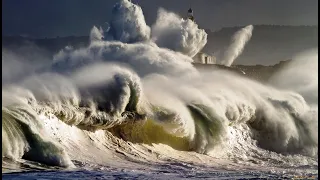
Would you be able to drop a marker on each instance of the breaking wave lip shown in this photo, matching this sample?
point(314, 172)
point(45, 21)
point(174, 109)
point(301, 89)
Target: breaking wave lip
point(156, 97)
point(188, 126)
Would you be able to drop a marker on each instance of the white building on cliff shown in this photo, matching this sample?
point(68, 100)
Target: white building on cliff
point(203, 58)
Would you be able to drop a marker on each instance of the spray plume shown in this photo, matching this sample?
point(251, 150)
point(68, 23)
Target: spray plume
point(172, 32)
point(128, 23)
point(239, 40)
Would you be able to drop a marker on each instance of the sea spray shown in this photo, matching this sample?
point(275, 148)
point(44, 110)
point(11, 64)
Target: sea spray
point(300, 75)
point(178, 34)
point(238, 42)
point(110, 85)
point(128, 23)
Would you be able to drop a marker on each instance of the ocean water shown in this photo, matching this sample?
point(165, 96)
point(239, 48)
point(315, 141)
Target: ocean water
point(131, 105)
point(161, 174)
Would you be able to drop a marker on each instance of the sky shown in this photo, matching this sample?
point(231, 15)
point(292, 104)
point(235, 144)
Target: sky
point(51, 18)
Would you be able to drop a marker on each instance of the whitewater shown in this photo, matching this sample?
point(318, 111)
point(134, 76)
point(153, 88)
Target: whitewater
point(132, 105)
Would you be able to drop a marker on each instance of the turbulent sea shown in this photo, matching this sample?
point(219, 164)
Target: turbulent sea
point(132, 105)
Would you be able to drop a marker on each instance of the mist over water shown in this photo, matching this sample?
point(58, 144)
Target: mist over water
point(133, 98)
point(301, 75)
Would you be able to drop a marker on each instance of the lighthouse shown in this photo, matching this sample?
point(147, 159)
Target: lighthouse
point(190, 14)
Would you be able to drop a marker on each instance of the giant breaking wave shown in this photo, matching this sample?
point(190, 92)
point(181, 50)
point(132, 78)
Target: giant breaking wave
point(138, 84)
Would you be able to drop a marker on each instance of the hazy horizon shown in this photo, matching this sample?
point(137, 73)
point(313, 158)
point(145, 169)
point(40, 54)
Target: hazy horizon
point(211, 31)
point(66, 18)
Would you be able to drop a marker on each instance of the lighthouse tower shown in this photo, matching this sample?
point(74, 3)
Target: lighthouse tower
point(190, 14)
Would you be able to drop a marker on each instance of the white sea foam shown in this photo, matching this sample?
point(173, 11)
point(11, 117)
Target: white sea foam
point(147, 92)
